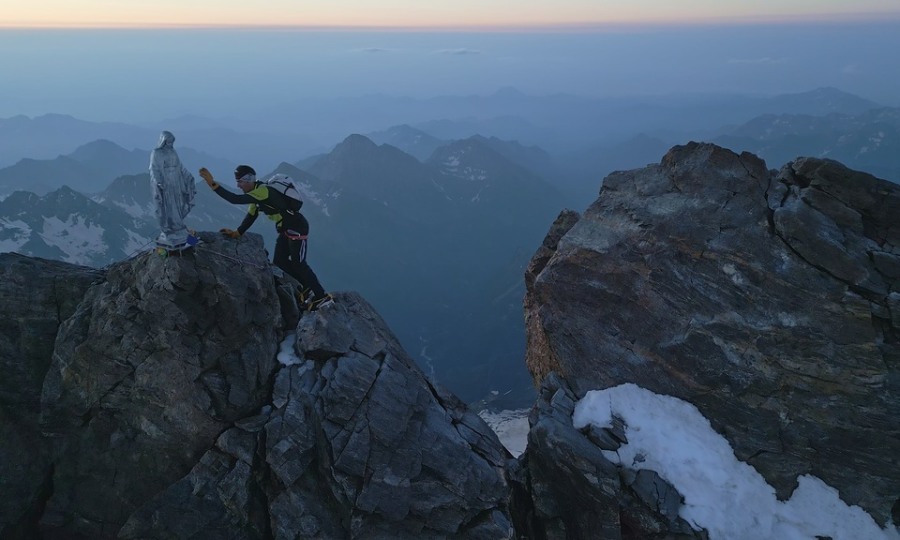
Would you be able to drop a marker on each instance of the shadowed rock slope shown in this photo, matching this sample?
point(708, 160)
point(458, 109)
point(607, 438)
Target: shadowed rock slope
point(146, 401)
point(768, 299)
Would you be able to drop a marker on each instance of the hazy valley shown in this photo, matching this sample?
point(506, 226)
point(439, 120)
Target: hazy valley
point(432, 219)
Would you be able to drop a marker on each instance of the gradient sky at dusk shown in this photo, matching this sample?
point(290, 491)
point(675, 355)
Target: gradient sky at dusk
point(433, 13)
point(582, 47)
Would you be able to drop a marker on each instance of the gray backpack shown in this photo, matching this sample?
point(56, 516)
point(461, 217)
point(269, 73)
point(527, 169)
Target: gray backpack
point(283, 184)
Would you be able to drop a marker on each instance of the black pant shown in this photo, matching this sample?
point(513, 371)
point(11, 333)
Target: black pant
point(290, 256)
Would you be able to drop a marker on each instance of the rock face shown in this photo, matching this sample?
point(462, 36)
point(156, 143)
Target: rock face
point(357, 444)
point(564, 487)
point(157, 360)
point(187, 398)
point(768, 300)
point(37, 296)
point(147, 401)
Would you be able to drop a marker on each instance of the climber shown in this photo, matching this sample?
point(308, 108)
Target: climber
point(292, 227)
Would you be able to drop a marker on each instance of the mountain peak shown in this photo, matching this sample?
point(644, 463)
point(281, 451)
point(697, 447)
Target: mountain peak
point(57, 117)
point(356, 140)
point(825, 100)
point(671, 275)
point(509, 92)
point(96, 149)
point(188, 358)
point(358, 147)
point(65, 195)
point(411, 140)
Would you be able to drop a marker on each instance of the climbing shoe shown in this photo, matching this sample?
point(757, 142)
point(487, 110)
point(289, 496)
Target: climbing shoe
point(303, 297)
point(321, 302)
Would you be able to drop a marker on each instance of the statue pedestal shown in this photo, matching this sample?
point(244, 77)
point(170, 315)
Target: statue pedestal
point(172, 240)
point(179, 241)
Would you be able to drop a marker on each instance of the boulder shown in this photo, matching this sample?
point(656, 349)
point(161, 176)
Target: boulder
point(767, 299)
point(564, 487)
point(147, 400)
point(158, 359)
point(37, 295)
point(357, 444)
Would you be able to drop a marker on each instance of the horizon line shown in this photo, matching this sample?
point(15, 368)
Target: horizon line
point(561, 26)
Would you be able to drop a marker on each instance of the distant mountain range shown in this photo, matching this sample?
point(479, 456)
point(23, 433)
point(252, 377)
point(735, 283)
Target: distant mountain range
point(114, 224)
point(869, 141)
point(443, 243)
point(91, 167)
point(48, 136)
point(68, 226)
point(414, 142)
point(558, 123)
point(434, 230)
point(561, 123)
point(52, 135)
point(438, 246)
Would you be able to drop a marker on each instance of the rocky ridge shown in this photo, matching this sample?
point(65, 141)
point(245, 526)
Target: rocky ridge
point(163, 412)
point(186, 397)
point(768, 299)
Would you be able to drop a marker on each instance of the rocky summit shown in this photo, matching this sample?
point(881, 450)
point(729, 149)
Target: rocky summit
point(146, 400)
point(187, 397)
point(768, 299)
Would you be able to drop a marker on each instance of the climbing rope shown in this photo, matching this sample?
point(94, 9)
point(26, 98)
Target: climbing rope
point(164, 252)
point(242, 262)
point(138, 251)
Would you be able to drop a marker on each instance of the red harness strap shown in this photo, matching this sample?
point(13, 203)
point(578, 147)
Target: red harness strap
point(294, 235)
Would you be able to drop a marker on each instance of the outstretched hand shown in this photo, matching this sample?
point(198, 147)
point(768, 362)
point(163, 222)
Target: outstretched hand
point(208, 178)
point(229, 233)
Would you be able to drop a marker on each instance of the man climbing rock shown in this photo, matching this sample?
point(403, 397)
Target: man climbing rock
point(292, 227)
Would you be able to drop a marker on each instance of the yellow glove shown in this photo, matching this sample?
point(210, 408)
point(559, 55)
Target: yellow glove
point(229, 233)
point(208, 178)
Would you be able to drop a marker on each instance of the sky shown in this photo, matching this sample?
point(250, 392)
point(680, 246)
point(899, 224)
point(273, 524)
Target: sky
point(415, 13)
point(105, 60)
point(297, 80)
point(145, 75)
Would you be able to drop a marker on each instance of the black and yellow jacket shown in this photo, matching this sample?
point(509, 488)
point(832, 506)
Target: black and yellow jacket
point(271, 203)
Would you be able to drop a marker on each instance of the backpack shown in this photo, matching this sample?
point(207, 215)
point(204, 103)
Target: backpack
point(283, 184)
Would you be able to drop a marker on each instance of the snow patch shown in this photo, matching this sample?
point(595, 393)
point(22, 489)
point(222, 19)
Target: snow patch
point(723, 495)
point(135, 242)
point(309, 194)
point(511, 427)
point(18, 233)
point(452, 162)
point(75, 237)
point(135, 210)
point(286, 354)
point(733, 273)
